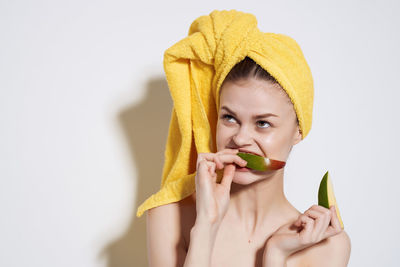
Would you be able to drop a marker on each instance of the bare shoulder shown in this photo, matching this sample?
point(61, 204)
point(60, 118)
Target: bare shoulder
point(165, 228)
point(333, 251)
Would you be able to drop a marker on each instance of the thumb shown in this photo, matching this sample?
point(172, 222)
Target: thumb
point(227, 178)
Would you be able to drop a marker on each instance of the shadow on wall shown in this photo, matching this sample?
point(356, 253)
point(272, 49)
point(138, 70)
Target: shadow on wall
point(146, 129)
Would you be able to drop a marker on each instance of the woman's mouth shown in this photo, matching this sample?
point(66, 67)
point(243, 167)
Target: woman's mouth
point(242, 169)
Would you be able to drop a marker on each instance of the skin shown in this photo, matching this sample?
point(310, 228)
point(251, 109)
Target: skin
point(253, 203)
point(257, 197)
point(245, 219)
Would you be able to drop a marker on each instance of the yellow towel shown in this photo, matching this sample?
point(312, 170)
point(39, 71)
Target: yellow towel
point(195, 68)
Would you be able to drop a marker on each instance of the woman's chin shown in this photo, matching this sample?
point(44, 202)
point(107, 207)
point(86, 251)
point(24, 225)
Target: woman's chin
point(244, 178)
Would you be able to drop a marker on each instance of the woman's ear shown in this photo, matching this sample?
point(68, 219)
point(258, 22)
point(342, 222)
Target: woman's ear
point(298, 136)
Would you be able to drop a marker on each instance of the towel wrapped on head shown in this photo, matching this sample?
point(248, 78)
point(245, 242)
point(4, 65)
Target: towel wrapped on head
point(195, 68)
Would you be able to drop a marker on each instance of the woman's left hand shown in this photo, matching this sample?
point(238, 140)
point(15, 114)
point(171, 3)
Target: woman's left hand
point(314, 225)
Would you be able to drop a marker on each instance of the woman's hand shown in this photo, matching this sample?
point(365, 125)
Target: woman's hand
point(212, 199)
point(316, 224)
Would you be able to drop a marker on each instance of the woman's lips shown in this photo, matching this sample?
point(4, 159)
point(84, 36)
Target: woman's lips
point(242, 169)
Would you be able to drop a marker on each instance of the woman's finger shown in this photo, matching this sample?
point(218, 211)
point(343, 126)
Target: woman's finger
point(228, 150)
point(335, 219)
point(222, 158)
point(230, 158)
point(326, 212)
point(209, 157)
point(204, 176)
point(227, 178)
point(211, 170)
point(218, 162)
point(201, 157)
point(308, 226)
point(319, 208)
point(211, 167)
point(322, 220)
point(335, 227)
point(313, 213)
point(202, 171)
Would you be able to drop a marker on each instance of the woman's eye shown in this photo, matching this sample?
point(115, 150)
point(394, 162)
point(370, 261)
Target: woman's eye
point(264, 123)
point(228, 118)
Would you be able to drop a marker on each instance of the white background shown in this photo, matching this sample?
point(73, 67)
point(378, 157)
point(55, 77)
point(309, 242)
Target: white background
point(84, 114)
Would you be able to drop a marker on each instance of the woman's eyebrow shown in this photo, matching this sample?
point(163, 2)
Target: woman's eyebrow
point(255, 117)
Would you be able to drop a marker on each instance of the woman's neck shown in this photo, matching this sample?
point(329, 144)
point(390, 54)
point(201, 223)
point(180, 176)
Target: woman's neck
point(260, 203)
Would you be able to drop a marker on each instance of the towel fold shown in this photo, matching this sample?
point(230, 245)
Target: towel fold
point(195, 68)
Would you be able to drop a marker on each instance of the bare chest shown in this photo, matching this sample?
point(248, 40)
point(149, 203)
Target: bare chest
point(234, 249)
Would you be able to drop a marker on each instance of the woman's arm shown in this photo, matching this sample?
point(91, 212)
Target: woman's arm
point(166, 246)
point(202, 239)
point(165, 243)
point(212, 201)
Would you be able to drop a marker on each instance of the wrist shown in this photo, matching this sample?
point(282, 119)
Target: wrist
point(274, 257)
point(203, 221)
point(204, 228)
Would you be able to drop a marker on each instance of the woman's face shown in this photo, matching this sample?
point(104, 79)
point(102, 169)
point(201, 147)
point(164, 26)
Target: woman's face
point(256, 116)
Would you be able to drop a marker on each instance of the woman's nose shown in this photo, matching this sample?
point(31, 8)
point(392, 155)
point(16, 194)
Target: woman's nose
point(242, 137)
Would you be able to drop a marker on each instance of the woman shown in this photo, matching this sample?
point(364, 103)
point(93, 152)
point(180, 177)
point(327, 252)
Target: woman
point(246, 220)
